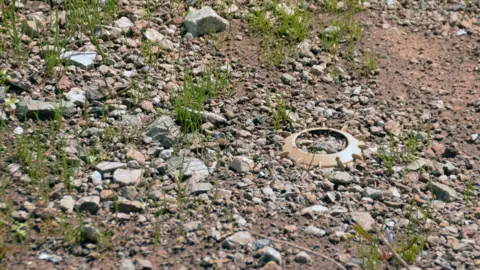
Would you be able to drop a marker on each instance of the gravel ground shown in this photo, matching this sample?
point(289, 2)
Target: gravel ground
point(149, 135)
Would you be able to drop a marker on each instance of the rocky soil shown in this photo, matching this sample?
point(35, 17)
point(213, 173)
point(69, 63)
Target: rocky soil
point(99, 171)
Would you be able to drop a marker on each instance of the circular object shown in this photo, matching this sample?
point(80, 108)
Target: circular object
point(351, 152)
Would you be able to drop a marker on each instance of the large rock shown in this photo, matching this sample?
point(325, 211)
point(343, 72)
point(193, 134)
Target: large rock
point(164, 130)
point(83, 60)
point(42, 109)
point(126, 177)
point(203, 21)
point(189, 168)
point(443, 192)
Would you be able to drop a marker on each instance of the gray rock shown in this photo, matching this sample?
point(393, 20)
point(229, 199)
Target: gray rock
point(129, 192)
point(287, 78)
point(50, 257)
point(164, 130)
point(166, 154)
point(126, 264)
point(67, 203)
point(261, 243)
point(144, 264)
point(30, 28)
point(123, 23)
point(312, 230)
point(199, 188)
point(443, 192)
point(126, 206)
point(192, 226)
point(96, 178)
point(434, 167)
point(108, 166)
point(319, 69)
point(125, 177)
point(364, 219)
point(270, 255)
point(90, 204)
point(90, 234)
point(461, 32)
point(302, 257)
point(449, 168)
point(391, 4)
point(83, 60)
point(242, 164)
point(339, 177)
point(192, 169)
point(20, 215)
point(203, 21)
point(77, 96)
point(314, 210)
point(213, 118)
point(241, 238)
point(166, 45)
point(42, 109)
point(107, 32)
point(93, 92)
point(372, 193)
point(152, 35)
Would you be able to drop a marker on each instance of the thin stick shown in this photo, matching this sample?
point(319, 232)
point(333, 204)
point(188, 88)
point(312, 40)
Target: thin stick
point(301, 248)
point(395, 254)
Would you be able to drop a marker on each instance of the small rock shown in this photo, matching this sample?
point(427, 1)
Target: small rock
point(144, 264)
point(127, 177)
point(443, 192)
point(83, 60)
point(152, 35)
point(123, 23)
point(136, 155)
point(241, 238)
point(164, 130)
point(270, 255)
point(302, 257)
point(126, 265)
point(312, 230)
point(77, 96)
point(364, 219)
point(340, 177)
point(200, 188)
point(372, 193)
point(314, 210)
point(287, 78)
point(191, 169)
point(91, 204)
point(242, 164)
point(67, 203)
point(126, 206)
point(96, 178)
